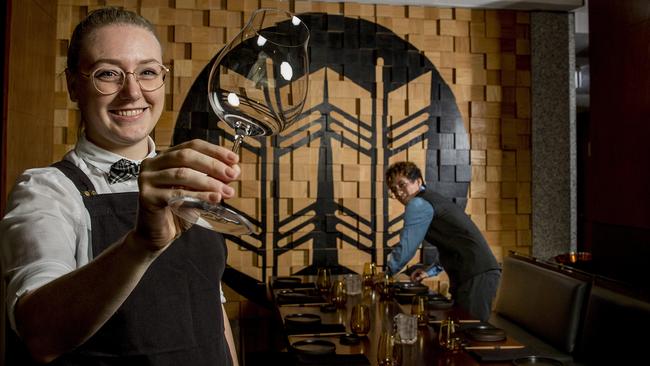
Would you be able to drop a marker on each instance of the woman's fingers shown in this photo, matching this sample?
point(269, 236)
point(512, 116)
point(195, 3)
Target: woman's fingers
point(176, 182)
point(186, 159)
point(195, 168)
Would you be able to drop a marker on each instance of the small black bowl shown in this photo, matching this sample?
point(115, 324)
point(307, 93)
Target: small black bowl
point(349, 339)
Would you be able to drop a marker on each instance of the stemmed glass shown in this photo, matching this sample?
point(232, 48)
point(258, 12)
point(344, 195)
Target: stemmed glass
point(258, 86)
point(360, 320)
point(389, 352)
point(324, 280)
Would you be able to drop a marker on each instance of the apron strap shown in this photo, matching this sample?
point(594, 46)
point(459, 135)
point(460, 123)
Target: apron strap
point(80, 180)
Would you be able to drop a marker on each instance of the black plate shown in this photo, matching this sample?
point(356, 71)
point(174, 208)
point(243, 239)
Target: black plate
point(349, 339)
point(299, 298)
point(487, 334)
point(314, 347)
point(539, 361)
point(288, 279)
point(440, 304)
point(327, 308)
point(468, 326)
point(282, 282)
point(302, 319)
point(411, 288)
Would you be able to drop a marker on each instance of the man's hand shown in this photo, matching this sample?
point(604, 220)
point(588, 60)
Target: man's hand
point(418, 275)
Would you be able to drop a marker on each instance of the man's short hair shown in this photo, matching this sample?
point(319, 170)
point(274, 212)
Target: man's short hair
point(404, 168)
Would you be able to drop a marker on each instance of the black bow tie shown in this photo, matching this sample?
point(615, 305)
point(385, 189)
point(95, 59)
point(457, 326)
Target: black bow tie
point(123, 170)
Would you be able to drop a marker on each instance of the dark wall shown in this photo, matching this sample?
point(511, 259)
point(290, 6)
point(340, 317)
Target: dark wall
point(618, 165)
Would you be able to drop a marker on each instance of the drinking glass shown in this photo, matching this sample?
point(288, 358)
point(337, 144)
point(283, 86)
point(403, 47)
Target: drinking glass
point(446, 334)
point(406, 328)
point(352, 284)
point(258, 86)
point(360, 320)
point(419, 309)
point(385, 286)
point(388, 351)
point(338, 296)
point(324, 280)
point(369, 272)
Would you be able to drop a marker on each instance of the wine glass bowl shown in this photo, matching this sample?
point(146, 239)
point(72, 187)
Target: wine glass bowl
point(360, 319)
point(258, 86)
point(258, 83)
point(338, 295)
point(419, 309)
point(324, 280)
point(388, 350)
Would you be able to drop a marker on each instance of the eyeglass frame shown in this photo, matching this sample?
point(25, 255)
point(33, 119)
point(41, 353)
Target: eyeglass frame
point(91, 76)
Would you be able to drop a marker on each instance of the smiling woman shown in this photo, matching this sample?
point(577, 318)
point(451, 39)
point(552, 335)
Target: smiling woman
point(118, 112)
point(99, 220)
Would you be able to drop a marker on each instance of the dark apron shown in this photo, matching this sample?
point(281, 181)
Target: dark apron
point(173, 316)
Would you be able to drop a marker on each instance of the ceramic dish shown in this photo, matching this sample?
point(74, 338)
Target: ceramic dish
point(411, 288)
point(314, 347)
point(302, 319)
point(486, 334)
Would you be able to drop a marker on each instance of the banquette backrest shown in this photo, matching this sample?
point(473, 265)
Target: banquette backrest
point(544, 301)
point(616, 326)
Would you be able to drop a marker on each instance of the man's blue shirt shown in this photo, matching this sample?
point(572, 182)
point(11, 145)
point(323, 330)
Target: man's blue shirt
point(417, 217)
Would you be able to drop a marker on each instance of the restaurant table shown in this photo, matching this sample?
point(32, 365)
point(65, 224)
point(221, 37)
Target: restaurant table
point(425, 351)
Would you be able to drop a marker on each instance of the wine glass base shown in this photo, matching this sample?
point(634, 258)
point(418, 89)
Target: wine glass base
point(210, 216)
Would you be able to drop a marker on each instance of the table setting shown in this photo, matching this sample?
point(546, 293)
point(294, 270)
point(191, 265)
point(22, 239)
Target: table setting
point(381, 321)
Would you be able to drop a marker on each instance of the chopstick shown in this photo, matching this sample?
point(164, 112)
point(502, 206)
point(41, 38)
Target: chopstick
point(495, 347)
point(316, 334)
point(462, 321)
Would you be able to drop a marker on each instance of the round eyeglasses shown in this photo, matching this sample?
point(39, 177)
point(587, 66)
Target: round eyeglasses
point(110, 79)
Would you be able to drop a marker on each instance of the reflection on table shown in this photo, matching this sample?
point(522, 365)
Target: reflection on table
point(334, 324)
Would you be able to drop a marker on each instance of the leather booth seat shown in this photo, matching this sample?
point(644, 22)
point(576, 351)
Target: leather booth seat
point(540, 307)
point(616, 327)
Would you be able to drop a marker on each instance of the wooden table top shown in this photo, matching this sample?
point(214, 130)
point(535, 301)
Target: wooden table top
point(425, 351)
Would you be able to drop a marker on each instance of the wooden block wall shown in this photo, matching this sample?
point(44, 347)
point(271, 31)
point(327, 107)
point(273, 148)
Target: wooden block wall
point(482, 55)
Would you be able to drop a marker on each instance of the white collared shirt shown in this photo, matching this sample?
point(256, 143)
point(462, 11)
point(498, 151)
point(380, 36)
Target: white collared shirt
point(46, 232)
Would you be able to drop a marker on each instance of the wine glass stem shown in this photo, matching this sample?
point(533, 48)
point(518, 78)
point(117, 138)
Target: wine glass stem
point(237, 142)
point(241, 130)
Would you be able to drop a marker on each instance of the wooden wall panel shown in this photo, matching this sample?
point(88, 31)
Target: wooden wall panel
point(30, 83)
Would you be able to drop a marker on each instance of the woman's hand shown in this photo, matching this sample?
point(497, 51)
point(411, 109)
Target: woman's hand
point(194, 168)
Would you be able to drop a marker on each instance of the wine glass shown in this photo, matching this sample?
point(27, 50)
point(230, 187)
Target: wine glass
point(338, 295)
point(324, 280)
point(419, 309)
point(258, 86)
point(360, 320)
point(369, 272)
point(389, 352)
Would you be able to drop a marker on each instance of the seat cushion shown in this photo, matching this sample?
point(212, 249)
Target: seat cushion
point(534, 344)
point(544, 302)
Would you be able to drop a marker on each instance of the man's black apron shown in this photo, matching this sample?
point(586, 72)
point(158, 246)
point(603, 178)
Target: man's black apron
point(173, 316)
